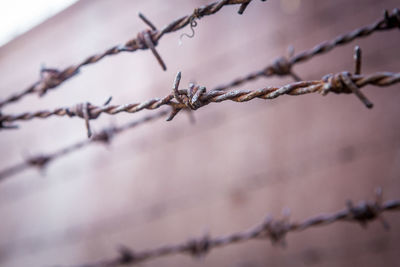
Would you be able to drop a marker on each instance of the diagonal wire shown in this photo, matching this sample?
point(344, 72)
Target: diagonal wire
point(147, 39)
point(283, 66)
point(273, 229)
point(104, 136)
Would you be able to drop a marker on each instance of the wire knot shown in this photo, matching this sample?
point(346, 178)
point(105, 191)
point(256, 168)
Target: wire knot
point(334, 83)
point(368, 210)
point(392, 20)
point(6, 125)
point(104, 136)
point(126, 255)
point(276, 230)
point(39, 161)
point(190, 98)
point(49, 78)
point(281, 67)
point(343, 83)
point(82, 110)
point(199, 247)
point(145, 39)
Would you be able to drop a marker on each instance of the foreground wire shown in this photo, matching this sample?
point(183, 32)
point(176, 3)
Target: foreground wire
point(147, 39)
point(284, 66)
point(273, 229)
point(196, 96)
point(104, 136)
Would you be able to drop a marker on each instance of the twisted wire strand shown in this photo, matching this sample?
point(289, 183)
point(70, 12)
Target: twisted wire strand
point(104, 136)
point(147, 39)
point(273, 229)
point(282, 66)
point(196, 96)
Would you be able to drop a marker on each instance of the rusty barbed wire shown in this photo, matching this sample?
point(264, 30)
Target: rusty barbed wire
point(273, 229)
point(188, 99)
point(147, 39)
point(283, 66)
point(196, 96)
point(104, 136)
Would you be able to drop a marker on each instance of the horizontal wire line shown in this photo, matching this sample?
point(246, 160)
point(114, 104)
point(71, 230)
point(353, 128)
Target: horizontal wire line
point(194, 102)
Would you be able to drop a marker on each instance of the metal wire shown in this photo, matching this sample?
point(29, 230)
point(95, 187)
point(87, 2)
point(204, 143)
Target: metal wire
point(147, 39)
point(284, 66)
point(104, 136)
point(197, 96)
point(273, 229)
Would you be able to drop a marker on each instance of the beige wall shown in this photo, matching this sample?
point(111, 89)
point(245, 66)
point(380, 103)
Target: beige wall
point(168, 182)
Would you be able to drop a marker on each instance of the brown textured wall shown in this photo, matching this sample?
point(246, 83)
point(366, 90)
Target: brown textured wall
point(168, 182)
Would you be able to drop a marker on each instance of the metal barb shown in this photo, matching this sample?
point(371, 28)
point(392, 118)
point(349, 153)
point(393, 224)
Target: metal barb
point(357, 60)
point(353, 87)
point(151, 45)
point(147, 21)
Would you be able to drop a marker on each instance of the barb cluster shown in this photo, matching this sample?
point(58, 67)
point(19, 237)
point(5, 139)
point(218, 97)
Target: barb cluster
point(146, 39)
point(273, 229)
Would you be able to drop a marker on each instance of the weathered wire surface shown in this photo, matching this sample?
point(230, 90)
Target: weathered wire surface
point(273, 229)
point(196, 96)
point(147, 39)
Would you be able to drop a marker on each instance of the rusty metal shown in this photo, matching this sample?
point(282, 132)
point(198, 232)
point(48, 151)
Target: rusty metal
point(147, 39)
point(197, 96)
point(104, 136)
point(283, 66)
point(273, 229)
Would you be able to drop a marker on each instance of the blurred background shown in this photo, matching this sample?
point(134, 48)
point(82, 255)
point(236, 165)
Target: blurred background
point(166, 182)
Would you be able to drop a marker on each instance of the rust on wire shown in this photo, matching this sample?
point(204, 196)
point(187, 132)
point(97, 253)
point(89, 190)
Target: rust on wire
point(147, 39)
point(283, 66)
point(270, 228)
point(104, 136)
point(197, 96)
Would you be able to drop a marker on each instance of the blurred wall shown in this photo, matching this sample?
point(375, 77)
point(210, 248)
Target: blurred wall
point(166, 182)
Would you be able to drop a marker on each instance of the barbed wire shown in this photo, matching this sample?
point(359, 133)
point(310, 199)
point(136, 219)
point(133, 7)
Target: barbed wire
point(192, 99)
point(273, 229)
point(104, 136)
point(50, 78)
point(283, 66)
point(196, 96)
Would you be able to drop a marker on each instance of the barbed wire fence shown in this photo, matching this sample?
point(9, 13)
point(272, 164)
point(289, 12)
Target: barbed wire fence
point(281, 66)
point(195, 97)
